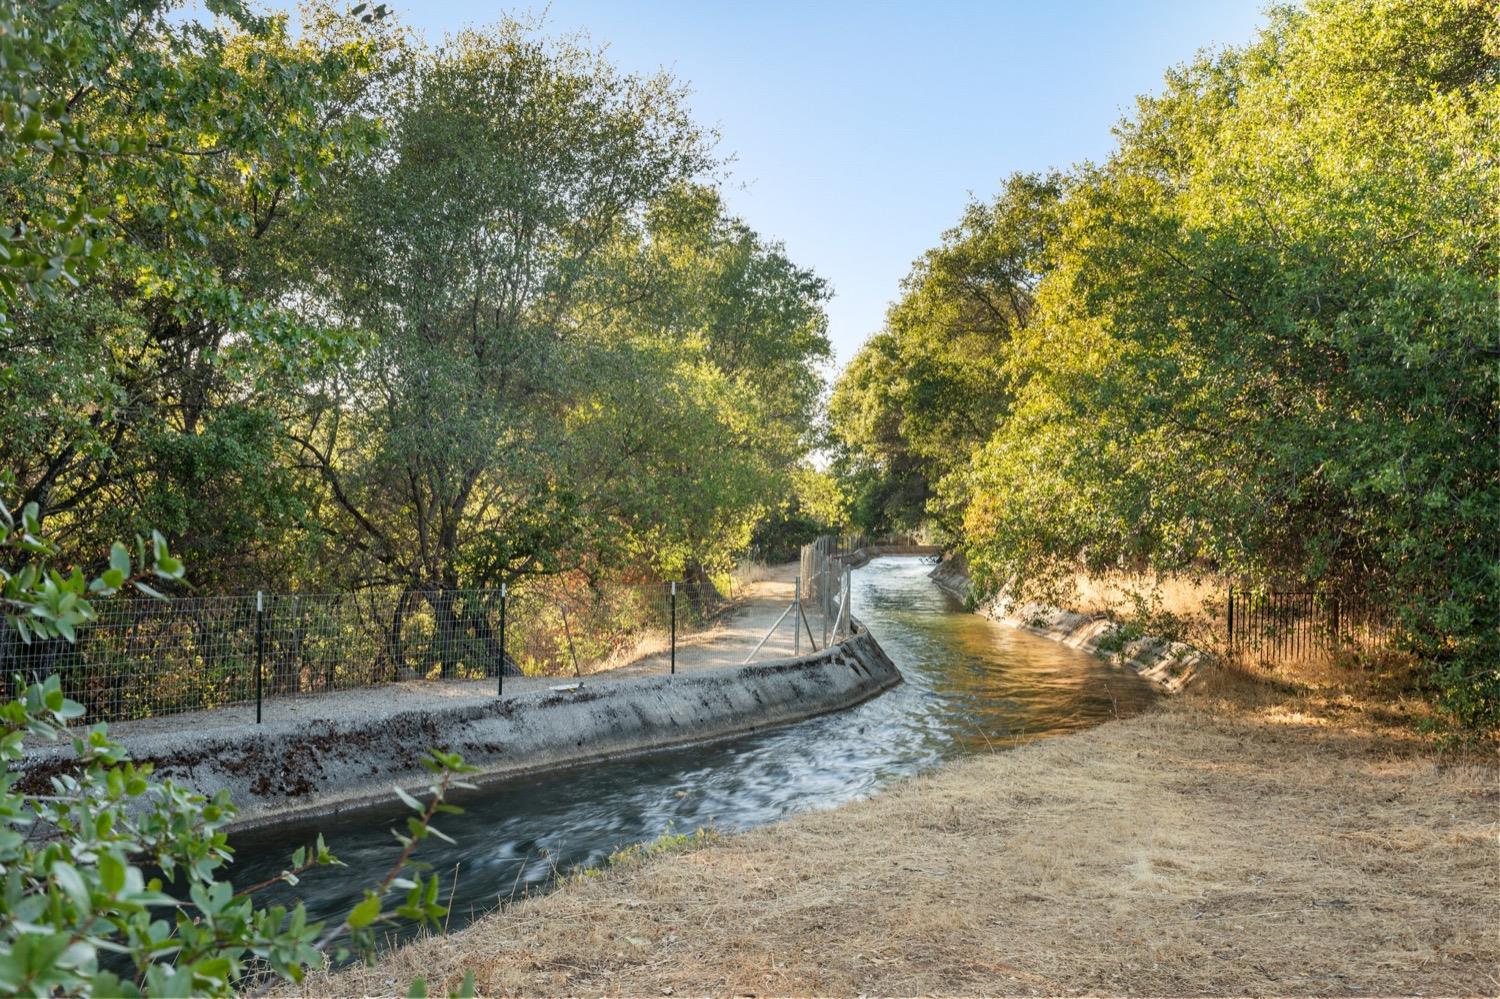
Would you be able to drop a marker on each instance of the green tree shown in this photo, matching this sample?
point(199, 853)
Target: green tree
point(1267, 342)
point(931, 387)
point(1259, 338)
point(729, 336)
point(143, 369)
point(573, 359)
point(460, 254)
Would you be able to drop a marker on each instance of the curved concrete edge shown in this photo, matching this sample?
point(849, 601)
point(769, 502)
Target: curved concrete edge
point(326, 767)
point(1170, 665)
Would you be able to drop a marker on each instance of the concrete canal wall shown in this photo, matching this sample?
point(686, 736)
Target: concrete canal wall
point(291, 767)
point(1171, 665)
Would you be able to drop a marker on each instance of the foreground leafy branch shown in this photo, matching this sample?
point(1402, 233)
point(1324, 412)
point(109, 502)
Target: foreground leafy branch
point(84, 914)
point(40, 602)
point(111, 880)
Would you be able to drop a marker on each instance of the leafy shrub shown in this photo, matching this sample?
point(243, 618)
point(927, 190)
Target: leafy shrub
point(82, 916)
point(79, 914)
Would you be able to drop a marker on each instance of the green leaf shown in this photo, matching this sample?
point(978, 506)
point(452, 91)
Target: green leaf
point(365, 913)
point(111, 872)
point(71, 882)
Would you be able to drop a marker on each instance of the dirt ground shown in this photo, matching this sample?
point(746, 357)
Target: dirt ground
point(760, 597)
point(1248, 837)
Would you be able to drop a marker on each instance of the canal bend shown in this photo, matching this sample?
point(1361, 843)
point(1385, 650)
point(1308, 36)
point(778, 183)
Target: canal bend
point(971, 686)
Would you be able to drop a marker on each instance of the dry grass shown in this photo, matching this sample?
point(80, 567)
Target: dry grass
point(748, 573)
point(1246, 838)
point(1191, 606)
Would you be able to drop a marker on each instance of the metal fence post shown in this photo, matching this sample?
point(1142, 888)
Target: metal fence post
point(1231, 618)
point(674, 627)
point(568, 634)
point(260, 648)
point(827, 601)
point(846, 608)
point(500, 686)
point(797, 605)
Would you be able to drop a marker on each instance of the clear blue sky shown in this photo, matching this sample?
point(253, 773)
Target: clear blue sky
point(858, 130)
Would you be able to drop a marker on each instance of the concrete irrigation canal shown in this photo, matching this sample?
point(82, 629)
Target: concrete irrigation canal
point(970, 686)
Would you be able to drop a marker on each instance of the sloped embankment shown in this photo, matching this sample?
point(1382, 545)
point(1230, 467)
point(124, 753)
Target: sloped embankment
point(1172, 665)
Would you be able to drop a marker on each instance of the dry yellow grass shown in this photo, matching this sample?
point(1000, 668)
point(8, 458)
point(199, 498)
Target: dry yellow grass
point(1242, 839)
point(1192, 605)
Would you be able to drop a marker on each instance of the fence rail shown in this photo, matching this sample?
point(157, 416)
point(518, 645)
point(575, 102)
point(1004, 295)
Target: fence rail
point(1293, 626)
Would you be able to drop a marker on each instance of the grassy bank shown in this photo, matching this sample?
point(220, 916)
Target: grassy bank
point(1247, 837)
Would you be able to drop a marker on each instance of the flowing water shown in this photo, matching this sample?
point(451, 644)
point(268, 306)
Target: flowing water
point(971, 686)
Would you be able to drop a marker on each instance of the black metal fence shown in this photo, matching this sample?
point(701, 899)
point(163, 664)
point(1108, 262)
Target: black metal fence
point(143, 658)
point(1293, 626)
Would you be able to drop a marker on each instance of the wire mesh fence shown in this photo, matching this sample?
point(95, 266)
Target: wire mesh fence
point(823, 576)
point(560, 629)
point(824, 582)
point(143, 658)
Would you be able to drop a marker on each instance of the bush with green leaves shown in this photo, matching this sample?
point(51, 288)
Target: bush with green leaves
point(40, 602)
point(114, 881)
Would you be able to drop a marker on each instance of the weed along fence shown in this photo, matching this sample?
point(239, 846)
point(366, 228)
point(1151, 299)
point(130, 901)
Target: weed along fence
point(1295, 626)
point(144, 658)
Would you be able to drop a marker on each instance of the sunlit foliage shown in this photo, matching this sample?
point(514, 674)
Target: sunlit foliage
point(329, 307)
point(1264, 340)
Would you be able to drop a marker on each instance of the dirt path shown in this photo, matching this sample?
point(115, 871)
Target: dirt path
point(758, 605)
point(1236, 840)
